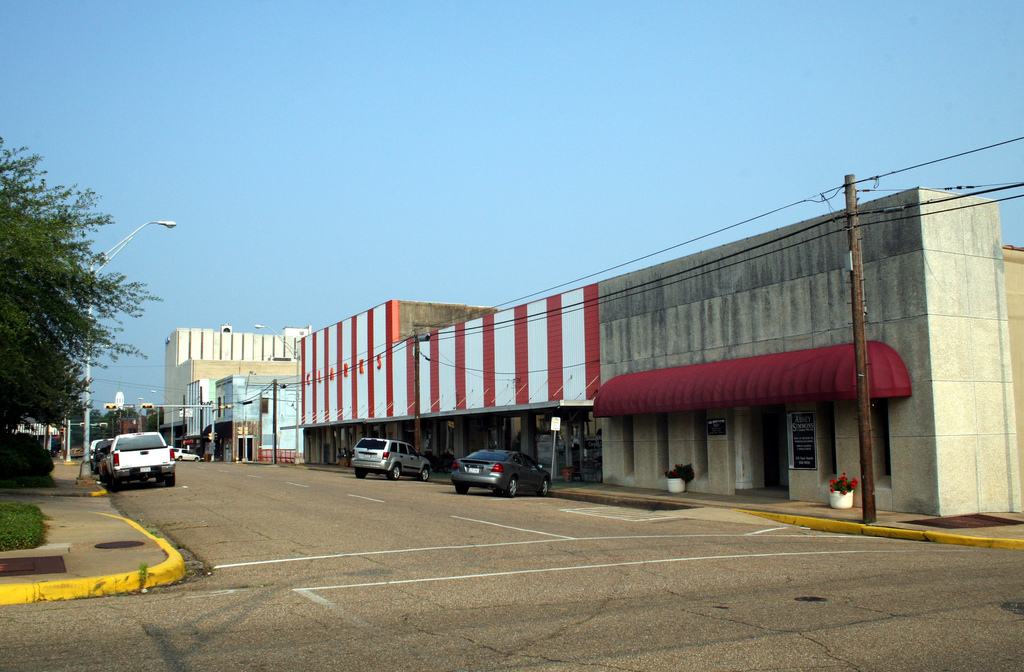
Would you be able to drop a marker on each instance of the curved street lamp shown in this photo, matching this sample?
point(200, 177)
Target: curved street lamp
point(106, 258)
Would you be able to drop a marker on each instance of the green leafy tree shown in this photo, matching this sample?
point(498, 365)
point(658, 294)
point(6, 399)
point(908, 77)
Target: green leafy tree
point(46, 288)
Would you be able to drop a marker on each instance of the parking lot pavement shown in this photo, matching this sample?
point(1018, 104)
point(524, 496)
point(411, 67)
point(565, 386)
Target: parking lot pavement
point(324, 571)
point(78, 560)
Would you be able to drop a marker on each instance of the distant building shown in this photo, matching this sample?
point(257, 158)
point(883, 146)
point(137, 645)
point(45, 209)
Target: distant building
point(195, 359)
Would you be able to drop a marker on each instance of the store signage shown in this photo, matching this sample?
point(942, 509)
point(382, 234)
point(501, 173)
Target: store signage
point(716, 426)
point(801, 440)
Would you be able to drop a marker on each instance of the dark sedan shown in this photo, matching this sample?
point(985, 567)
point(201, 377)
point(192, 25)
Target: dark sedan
point(503, 471)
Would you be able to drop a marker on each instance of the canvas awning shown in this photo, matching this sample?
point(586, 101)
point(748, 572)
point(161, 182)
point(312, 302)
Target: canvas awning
point(820, 374)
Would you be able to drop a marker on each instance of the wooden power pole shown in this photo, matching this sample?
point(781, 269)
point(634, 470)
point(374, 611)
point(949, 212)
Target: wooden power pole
point(860, 347)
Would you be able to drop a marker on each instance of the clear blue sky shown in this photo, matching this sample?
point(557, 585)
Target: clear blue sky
point(321, 158)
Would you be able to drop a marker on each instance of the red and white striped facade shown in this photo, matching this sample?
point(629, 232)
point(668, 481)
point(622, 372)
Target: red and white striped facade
point(544, 351)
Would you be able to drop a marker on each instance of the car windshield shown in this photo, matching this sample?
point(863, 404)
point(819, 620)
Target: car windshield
point(140, 442)
point(489, 456)
point(372, 444)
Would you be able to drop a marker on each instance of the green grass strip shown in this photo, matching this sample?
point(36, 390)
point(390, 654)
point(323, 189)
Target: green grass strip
point(21, 526)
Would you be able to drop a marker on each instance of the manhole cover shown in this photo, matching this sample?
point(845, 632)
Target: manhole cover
point(120, 544)
point(965, 522)
point(1014, 607)
point(811, 599)
point(50, 564)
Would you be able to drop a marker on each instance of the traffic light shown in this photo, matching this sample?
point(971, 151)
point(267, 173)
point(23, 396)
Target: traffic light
point(110, 406)
point(147, 406)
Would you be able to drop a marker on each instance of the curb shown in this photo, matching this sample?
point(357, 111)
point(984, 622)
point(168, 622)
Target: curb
point(844, 527)
point(168, 571)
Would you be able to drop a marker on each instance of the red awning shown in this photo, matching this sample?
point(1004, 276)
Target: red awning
point(821, 374)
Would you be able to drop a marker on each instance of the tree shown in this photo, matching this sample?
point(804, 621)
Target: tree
point(46, 288)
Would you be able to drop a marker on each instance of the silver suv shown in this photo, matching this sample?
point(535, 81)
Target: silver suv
point(385, 456)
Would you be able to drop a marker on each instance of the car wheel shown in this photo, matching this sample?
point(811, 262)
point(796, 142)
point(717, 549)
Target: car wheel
point(545, 487)
point(113, 485)
point(360, 473)
point(462, 489)
point(425, 474)
point(513, 487)
point(395, 473)
point(169, 481)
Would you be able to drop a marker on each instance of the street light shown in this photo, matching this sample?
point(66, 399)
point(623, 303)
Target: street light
point(294, 357)
point(86, 400)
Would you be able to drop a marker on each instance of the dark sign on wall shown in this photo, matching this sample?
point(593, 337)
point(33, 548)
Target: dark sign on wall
point(801, 440)
point(716, 426)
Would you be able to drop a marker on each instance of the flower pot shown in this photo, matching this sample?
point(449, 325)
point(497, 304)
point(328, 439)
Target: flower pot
point(676, 485)
point(838, 500)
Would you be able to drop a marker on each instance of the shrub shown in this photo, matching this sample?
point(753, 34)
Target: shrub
point(21, 455)
point(21, 526)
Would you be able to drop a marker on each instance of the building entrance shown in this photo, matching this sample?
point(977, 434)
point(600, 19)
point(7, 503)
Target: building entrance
point(245, 448)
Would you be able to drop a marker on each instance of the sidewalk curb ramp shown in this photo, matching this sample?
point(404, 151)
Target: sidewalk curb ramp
point(845, 527)
point(168, 571)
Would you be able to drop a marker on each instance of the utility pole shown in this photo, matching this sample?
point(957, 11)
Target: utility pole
point(416, 391)
point(275, 421)
point(860, 348)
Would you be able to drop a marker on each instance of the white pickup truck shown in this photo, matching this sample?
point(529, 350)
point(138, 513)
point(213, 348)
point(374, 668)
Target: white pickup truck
point(138, 457)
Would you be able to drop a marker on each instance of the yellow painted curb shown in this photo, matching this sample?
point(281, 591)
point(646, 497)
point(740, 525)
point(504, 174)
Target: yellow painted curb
point(168, 571)
point(844, 527)
point(99, 493)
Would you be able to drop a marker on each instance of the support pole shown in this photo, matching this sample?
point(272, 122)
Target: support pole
point(275, 421)
point(867, 476)
point(416, 391)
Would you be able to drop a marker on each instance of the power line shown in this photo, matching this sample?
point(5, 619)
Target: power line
point(718, 265)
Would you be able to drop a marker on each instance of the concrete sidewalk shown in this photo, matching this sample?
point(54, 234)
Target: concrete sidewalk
point(90, 549)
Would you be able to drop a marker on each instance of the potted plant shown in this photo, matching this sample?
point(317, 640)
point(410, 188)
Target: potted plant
point(841, 492)
point(678, 477)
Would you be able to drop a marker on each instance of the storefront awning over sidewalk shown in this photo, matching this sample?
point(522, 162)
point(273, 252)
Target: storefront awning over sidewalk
point(821, 374)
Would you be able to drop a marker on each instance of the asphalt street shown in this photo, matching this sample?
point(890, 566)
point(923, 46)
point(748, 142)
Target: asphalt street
point(318, 570)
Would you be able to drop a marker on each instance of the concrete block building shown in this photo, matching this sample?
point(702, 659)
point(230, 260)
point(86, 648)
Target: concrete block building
point(944, 432)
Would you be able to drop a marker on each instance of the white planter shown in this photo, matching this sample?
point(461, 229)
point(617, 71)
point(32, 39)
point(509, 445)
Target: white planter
point(676, 485)
point(837, 500)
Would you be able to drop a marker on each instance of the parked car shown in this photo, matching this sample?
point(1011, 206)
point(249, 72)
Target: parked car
point(97, 450)
point(386, 456)
point(138, 457)
point(182, 455)
point(503, 471)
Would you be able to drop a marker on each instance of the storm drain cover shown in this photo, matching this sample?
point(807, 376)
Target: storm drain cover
point(965, 522)
point(1014, 607)
point(120, 544)
point(811, 599)
point(50, 564)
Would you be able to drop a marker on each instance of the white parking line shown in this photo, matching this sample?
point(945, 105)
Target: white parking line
point(770, 529)
point(456, 547)
point(391, 552)
point(251, 476)
point(609, 565)
point(618, 513)
point(369, 498)
point(354, 620)
point(509, 527)
point(297, 484)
